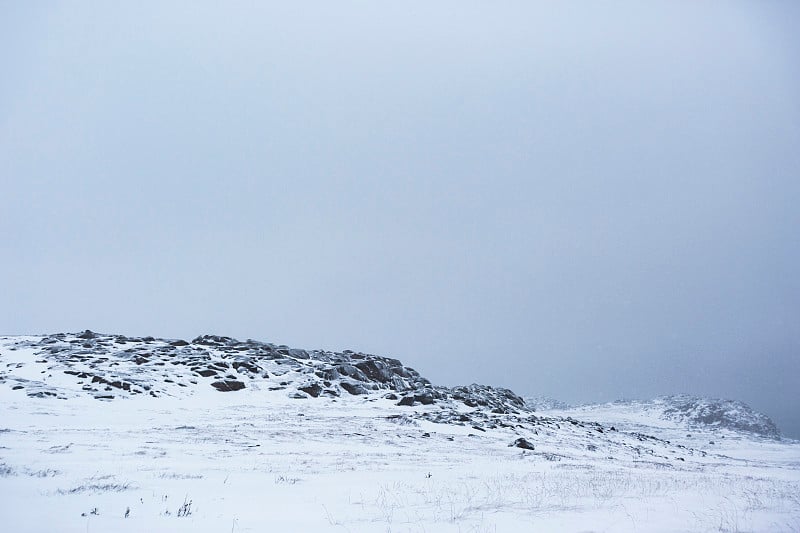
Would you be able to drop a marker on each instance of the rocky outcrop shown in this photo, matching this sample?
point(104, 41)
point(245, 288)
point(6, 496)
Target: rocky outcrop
point(711, 412)
point(112, 367)
point(134, 365)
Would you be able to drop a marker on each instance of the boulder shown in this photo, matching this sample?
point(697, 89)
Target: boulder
point(425, 397)
point(247, 365)
point(351, 371)
point(313, 390)
point(406, 401)
point(354, 388)
point(522, 443)
point(375, 370)
point(228, 385)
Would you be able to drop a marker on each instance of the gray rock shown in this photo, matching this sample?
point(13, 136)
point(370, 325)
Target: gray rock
point(313, 390)
point(522, 443)
point(228, 385)
point(354, 388)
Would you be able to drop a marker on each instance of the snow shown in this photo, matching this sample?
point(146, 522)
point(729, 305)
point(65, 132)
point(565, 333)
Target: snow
point(259, 460)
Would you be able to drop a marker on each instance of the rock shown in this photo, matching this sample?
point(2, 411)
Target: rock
point(41, 394)
point(313, 390)
point(522, 443)
point(485, 396)
point(250, 367)
point(298, 354)
point(352, 372)
point(425, 398)
point(399, 384)
point(179, 342)
point(88, 334)
point(213, 340)
point(375, 370)
point(406, 401)
point(329, 374)
point(120, 385)
point(353, 388)
point(228, 385)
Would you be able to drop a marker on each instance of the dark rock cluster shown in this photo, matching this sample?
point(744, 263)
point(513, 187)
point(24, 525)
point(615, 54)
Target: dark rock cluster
point(109, 365)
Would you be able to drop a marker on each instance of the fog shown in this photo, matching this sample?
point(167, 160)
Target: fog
point(584, 201)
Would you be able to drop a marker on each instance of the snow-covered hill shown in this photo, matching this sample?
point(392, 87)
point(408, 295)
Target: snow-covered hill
point(113, 433)
point(682, 412)
point(108, 367)
point(712, 412)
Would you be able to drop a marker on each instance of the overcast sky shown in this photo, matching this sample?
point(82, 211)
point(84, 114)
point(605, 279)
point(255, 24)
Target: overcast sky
point(589, 201)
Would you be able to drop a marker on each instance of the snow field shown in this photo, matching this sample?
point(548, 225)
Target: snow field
point(300, 465)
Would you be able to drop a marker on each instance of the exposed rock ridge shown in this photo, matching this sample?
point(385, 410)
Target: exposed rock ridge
point(109, 366)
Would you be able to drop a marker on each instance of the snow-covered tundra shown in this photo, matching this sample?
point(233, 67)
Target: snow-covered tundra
point(111, 433)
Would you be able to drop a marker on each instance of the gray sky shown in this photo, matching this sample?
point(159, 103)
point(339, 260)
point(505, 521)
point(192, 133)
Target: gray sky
point(588, 201)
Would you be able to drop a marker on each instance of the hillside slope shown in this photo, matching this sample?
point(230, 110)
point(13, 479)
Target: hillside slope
point(114, 433)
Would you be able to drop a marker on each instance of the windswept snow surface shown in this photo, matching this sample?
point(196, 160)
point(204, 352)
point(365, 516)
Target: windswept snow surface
point(80, 449)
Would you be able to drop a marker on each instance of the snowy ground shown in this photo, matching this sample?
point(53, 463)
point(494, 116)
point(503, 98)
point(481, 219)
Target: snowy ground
point(257, 460)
